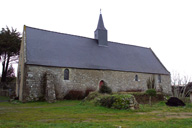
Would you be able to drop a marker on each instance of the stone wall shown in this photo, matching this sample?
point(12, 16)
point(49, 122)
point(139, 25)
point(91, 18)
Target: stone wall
point(84, 79)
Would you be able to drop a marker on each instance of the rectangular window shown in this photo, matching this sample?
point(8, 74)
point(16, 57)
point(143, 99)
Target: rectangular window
point(159, 78)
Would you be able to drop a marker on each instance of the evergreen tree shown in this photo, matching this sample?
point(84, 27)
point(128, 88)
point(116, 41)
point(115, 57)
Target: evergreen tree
point(10, 41)
point(10, 71)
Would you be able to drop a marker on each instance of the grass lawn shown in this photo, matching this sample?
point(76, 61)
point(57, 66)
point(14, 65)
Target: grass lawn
point(75, 114)
point(3, 98)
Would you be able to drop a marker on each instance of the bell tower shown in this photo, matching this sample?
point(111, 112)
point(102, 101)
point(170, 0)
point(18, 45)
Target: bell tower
point(101, 32)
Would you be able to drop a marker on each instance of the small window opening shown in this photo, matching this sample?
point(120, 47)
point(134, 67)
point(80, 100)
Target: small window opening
point(159, 78)
point(66, 74)
point(136, 77)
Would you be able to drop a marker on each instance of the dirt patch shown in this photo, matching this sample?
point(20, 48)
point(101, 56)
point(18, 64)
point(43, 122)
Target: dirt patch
point(176, 115)
point(143, 113)
point(169, 115)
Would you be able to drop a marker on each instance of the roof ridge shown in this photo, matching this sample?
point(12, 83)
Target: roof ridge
point(128, 44)
point(85, 37)
point(59, 32)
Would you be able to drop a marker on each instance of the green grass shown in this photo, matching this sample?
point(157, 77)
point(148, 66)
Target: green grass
point(76, 114)
point(3, 98)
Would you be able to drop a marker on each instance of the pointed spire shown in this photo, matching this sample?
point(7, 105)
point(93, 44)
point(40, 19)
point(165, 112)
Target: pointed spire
point(100, 23)
point(101, 32)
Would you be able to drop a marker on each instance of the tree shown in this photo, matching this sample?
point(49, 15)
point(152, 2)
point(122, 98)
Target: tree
point(10, 71)
point(151, 83)
point(10, 77)
point(151, 93)
point(181, 86)
point(10, 41)
point(151, 88)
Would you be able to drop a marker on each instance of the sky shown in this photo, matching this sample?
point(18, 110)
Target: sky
point(163, 25)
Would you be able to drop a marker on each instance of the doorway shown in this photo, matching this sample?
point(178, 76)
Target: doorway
point(101, 83)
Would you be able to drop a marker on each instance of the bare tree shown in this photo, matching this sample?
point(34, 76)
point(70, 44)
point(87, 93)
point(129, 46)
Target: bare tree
point(180, 85)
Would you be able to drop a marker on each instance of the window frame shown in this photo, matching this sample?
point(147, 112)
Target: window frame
point(159, 78)
point(66, 74)
point(136, 78)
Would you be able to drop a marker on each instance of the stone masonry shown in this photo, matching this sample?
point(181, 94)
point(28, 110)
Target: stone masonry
point(81, 80)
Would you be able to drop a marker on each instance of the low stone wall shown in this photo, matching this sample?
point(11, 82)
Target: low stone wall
point(144, 98)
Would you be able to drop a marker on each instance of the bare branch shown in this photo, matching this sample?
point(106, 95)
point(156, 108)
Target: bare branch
point(179, 85)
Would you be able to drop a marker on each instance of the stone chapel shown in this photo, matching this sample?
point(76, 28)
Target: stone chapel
point(52, 65)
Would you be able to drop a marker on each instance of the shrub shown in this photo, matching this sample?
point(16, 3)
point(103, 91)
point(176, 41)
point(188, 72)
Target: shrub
point(122, 101)
point(105, 89)
point(116, 101)
point(74, 95)
point(151, 92)
point(107, 101)
point(88, 91)
point(92, 96)
point(187, 90)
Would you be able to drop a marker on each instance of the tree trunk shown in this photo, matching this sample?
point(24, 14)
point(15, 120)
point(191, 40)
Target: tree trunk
point(3, 72)
point(5, 66)
point(150, 101)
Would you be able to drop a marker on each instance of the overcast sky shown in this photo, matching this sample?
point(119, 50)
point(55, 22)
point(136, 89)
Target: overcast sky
point(163, 25)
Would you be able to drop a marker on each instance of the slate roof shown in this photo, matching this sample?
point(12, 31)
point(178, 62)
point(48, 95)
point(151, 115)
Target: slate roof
point(48, 48)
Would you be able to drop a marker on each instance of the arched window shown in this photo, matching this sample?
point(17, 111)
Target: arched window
point(66, 74)
point(136, 77)
point(159, 78)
